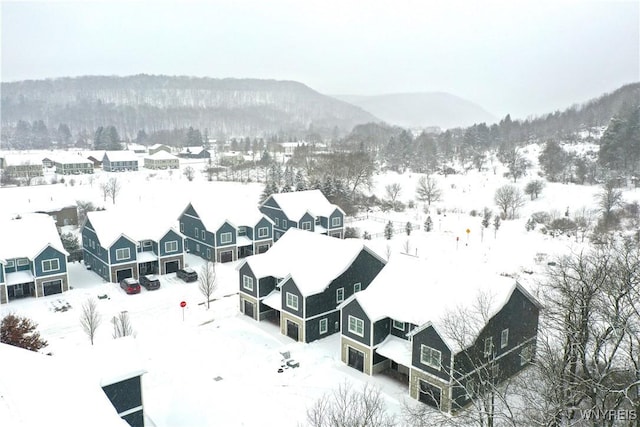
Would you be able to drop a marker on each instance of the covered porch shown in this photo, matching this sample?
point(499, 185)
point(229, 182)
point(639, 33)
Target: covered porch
point(20, 284)
point(270, 307)
point(245, 247)
point(147, 263)
point(393, 358)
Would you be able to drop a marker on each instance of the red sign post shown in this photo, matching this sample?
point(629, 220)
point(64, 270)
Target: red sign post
point(183, 304)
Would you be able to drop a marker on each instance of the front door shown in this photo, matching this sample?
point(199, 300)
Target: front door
point(356, 359)
point(293, 330)
point(248, 308)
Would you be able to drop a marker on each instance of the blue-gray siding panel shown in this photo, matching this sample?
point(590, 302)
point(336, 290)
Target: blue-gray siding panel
point(226, 228)
point(170, 237)
point(122, 243)
point(290, 286)
point(50, 253)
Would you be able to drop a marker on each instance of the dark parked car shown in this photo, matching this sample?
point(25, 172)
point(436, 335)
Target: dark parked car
point(150, 282)
point(130, 285)
point(187, 274)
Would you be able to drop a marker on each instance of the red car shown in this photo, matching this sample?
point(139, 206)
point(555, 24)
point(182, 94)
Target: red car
point(130, 285)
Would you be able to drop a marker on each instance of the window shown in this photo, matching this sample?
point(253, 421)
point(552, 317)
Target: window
point(202, 235)
point(339, 295)
point(171, 246)
point(324, 326)
point(526, 355)
point(147, 244)
point(356, 326)
point(242, 231)
point(247, 282)
point(335, 222)
point(195, 232)
point(292, 301)
point(317, 221)
point(93, 244)
point(10, 264)
point(284, 223)
point(225, 238)
point(306, 225)
point(50, 265)
point(182, 227)
point(208, 253)
point(122, 254)
point(357, 287)
point(430, 356)
point(504, 338)
point(398, 325)
point(263, 232)
point(277, 222)
point(23, 262)
point(470, 389)
point(198, 247)
point(488, 346)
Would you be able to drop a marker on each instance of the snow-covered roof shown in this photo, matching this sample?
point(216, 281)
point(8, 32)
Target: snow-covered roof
point(192, 150)
point(35, 200)
point(295, 204)
point(121, 156)
point(148, 223)
point(425, 292)
point(66, 157)
point(24, 158)
point(156, 146)
point(50, 392)
point(396, 349)
point(28, 236)
point(162, 155)
point(312, 260)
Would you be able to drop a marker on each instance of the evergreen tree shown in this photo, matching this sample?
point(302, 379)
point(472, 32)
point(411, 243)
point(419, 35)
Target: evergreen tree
point(301, 183)
point(388, 231)
point(408, 228)
point(269, 189)
point(428, 224)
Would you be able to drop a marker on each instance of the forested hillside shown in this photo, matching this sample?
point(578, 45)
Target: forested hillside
point(224, 107)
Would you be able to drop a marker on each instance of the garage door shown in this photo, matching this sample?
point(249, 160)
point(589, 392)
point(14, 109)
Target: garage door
point(124, 274)
point(292, 330)
point(429, 394)
point(226, 256)
point(50, 288)
point(248, 308)
point(356, 359)
point(171, 267)
point(262, 248)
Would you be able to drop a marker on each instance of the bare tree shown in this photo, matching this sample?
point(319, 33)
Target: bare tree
point(534, 188)
point(584, 219)
point(122, 325)
point(189, 173)
point(393, 192)
point(113, 188)
point(509, 199)
point(428, 190)
point(207, 281)
point(104, 189)
point(609, 199)
point(348, 408)
point(90, 318)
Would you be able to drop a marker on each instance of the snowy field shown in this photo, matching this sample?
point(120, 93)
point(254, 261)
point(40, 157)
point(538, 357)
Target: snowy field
point(218, 367)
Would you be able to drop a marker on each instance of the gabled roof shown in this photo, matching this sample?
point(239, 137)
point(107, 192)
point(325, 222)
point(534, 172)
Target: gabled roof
point(28, 236)
point(65, 158)
point(312, 260)
point(161, 155)
point(192, 150)
point(425, 292)
point(295, 204)
point(65, 395)
point(121, 156)
point(146, 224)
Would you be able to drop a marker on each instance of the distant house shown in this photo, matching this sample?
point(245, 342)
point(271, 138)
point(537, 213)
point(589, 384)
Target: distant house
point(72, 165)
point(307, 210)
point(22, 167)
point(119, 161)
point(118, 245)
point(194, 153)
point(47, 162)
point(136, 148)
point(155, 148)
point(223, 235)
point(65, 215)
point(401, 325)
point(161, 160)
point(34, 266)
point(302, 279)
point(96, 159)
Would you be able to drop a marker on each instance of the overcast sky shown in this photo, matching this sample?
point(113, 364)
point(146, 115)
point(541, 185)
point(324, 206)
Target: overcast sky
point(518, 57)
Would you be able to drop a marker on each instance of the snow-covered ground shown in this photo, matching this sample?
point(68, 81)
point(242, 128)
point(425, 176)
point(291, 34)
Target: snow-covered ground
point(218, 367)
